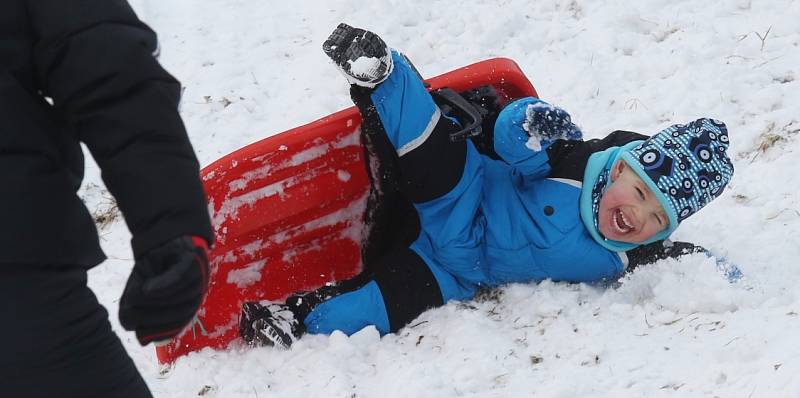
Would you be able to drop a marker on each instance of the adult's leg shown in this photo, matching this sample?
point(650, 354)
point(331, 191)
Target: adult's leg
point(56, 340)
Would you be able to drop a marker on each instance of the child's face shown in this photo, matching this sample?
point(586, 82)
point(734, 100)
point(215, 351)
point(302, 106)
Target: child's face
point(629, 212)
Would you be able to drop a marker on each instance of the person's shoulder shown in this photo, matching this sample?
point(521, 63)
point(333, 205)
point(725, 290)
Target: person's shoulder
point(616, 138)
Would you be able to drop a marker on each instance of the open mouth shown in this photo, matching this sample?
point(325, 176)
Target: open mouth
point(621, 223)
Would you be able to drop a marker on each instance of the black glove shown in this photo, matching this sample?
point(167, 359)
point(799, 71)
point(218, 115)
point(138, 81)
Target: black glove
point(165, 289)
point(361, 55)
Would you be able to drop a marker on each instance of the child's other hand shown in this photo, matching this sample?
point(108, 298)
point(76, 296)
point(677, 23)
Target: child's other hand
point(546, 123)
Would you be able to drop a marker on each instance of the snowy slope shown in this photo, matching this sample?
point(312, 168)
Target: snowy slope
point(253, 69)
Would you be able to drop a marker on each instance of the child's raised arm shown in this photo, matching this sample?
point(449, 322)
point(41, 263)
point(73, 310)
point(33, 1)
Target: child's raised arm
point(526, 128)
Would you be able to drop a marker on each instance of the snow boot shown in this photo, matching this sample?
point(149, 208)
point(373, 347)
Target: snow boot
point(361, 55)
point(269, 324)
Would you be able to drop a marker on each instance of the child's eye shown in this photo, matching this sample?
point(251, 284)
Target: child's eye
point(641, 194)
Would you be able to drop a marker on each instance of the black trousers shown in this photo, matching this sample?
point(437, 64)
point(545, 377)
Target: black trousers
point(56, 341)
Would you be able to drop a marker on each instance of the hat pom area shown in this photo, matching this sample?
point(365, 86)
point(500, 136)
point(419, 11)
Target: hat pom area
point(687, 166)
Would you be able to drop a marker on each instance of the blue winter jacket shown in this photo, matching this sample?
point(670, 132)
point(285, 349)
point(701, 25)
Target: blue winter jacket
point(534, 229)
point(512, 220)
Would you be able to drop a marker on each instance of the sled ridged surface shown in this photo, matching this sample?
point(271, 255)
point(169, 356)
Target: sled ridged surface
point(288, 211)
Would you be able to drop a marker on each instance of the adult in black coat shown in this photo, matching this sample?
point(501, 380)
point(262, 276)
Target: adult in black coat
point(84, 71)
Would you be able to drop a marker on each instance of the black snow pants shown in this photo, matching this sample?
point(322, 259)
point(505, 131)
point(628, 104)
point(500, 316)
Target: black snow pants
point(56, 341)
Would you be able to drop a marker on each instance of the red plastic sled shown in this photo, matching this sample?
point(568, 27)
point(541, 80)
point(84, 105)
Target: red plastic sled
point(288, 211)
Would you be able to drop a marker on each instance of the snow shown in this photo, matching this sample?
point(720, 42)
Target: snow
point(343, 175)
point(248, 275)
point(365, 66)
point(676, 328)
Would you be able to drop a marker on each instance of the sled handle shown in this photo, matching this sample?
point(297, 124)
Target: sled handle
point(466, 112)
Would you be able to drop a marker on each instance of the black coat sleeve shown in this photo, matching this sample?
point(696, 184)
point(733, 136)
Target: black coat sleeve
point(96, 60)
point(568, 158)
point(659, 250)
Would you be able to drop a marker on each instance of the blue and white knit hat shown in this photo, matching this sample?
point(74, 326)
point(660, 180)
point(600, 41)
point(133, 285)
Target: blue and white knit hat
point(686, 166)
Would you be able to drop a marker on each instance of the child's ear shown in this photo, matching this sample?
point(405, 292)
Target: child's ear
point(617, 169)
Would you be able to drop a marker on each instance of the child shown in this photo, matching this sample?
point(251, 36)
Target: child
point(553, 207)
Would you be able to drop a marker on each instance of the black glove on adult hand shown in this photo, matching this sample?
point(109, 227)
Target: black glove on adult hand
point(361, 55)
point(165, 289)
